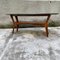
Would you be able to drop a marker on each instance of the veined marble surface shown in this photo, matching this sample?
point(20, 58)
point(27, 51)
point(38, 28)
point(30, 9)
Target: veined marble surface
point(30, 44)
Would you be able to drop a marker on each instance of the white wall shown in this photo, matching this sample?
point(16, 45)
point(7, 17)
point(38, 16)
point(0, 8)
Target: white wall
point(18, 6)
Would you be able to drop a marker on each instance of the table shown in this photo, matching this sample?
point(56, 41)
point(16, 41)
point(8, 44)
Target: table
point(17, 22)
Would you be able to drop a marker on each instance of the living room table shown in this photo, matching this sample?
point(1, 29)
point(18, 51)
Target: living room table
point(16, 21)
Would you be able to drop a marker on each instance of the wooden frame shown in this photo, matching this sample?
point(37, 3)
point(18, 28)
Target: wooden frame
point(17, 22)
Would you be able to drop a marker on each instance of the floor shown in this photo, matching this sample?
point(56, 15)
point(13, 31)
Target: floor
point(30, 44)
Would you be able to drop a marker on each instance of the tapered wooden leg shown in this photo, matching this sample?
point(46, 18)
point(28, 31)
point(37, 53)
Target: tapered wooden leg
point(17, 28)
point(46, 31)
point(13, 23)
point(46, 25)
point(13, 29)
point(46, 28)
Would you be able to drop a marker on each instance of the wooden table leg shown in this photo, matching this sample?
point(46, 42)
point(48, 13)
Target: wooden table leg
point(17, 26)
point(46, 27)
point(13, 29)
point(13, 23)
